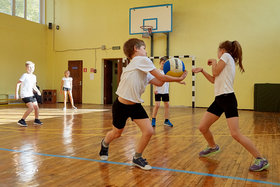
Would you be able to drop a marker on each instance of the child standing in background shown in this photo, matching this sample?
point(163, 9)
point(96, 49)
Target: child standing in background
point(27, 83)
point(66, 88)
point(223, 74)
point(162, 94)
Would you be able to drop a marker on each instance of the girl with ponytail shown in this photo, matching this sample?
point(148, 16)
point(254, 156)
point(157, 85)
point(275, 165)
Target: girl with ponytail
point(223, 74)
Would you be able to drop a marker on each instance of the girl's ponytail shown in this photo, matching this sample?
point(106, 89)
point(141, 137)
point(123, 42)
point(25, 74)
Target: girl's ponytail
point(235, 50)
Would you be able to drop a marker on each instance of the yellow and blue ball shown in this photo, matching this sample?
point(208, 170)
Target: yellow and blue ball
point(174, 67)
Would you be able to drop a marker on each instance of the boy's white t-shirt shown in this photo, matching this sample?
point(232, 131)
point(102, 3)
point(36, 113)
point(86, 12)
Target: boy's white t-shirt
point(67, 82)
point(164, 89)
point(28, 81)
point(224, 81)
point(135, 78)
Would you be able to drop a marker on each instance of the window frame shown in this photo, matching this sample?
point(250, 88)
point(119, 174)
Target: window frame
point(41, 10)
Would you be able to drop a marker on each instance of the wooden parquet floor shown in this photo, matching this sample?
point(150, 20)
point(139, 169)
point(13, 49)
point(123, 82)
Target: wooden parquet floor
point(64, 150)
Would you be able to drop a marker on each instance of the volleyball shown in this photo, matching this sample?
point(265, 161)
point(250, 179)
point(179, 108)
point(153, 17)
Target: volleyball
point(174, 67)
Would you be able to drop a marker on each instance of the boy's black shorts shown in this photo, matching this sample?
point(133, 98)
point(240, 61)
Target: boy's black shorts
point(29, 99)
point(122, 111)
point(226, 103)
point(162, 97)
point(66, 89)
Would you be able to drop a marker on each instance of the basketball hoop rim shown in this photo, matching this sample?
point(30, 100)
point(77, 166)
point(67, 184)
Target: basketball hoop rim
point(146, 28)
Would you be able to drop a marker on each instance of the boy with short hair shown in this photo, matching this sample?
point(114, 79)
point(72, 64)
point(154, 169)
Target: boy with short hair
point(162, 94)
point(27, 84)
point(134, 79)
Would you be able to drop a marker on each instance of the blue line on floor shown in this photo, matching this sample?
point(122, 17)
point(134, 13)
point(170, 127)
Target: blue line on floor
point(158, 168)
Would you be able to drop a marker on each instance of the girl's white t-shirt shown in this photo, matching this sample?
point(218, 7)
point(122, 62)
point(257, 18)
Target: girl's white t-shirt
point(134, 79)
point(67, 82)
point(164, 89)
point(224, 81)
point(28, 81)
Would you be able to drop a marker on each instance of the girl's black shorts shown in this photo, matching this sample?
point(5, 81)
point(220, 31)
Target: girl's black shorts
point(226, 103)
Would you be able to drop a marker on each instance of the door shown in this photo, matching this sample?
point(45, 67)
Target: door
point(76, 72)
point(108, 82)
point(112, 74)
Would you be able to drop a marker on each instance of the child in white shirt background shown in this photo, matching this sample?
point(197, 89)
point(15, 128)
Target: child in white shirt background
point(162, 94)
point(66, 89)
point(27, 83)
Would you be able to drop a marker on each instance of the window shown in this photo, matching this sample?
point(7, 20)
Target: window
point(19, 8)
point(32, 10)
point(6, 6)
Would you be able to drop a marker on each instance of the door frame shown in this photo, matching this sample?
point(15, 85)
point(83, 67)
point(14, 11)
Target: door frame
point(81, 81)
point(120, 68)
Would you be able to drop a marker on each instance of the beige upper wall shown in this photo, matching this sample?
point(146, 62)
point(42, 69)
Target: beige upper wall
point(198, 28)
point(21, 40)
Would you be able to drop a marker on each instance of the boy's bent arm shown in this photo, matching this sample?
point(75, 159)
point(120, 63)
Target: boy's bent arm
point(17, 89)
point(61, 86)
point(36, 90)
point(166, 78)
point(156, 82)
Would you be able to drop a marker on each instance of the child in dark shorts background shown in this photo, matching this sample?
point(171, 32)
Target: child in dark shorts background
point(27, 84)
point(162, 94)
point(66, 89)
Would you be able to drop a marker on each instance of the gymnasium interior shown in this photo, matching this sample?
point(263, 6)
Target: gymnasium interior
point(86, 37)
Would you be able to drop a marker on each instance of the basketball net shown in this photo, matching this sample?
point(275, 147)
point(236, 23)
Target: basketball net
point(147, 31)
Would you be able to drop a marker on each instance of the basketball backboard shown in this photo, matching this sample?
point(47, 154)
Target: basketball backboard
point(157, 16)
